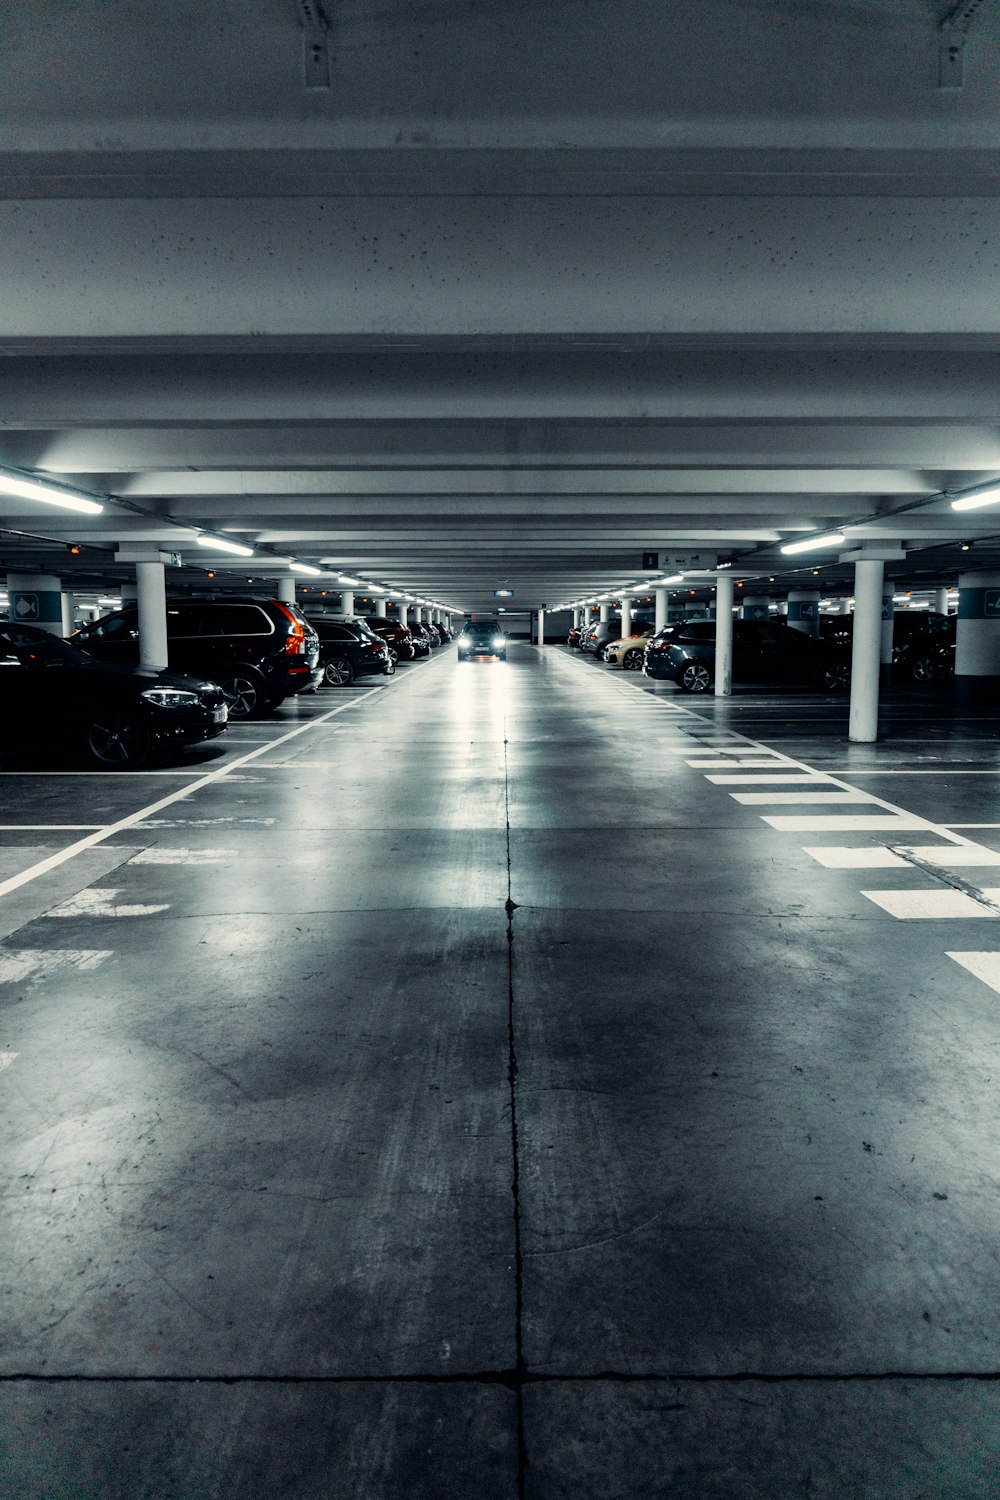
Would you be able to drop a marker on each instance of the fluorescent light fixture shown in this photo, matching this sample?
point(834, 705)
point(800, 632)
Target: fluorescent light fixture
point(116, 602)
point(307, 568)
point(216, 544)
point(353, 583)
point(13, 482)
point(674, 578)
point(832, 539)
point(973, 502)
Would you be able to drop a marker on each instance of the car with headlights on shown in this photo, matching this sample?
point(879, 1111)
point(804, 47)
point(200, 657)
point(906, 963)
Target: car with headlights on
point(482, 638)
point(764, 652)
point(349, 649)
point(53, 695)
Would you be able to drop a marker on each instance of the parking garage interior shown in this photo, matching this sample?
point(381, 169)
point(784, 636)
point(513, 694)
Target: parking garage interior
point(515, 1078)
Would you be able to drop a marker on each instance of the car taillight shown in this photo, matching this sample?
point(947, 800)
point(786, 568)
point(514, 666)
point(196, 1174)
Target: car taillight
point(295, 643)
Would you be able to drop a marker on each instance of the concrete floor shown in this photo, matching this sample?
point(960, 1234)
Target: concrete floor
point(460, 1092)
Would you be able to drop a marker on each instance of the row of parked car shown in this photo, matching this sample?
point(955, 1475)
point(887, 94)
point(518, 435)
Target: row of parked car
point(231, 658)
point(769, 651)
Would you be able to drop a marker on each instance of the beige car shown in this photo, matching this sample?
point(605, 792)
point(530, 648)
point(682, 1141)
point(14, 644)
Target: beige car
point(628, 653)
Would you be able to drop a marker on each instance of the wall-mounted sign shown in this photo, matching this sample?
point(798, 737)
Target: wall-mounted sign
point(679, 562)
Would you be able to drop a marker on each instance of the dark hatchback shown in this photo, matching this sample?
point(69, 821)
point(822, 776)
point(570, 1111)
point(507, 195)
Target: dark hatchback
point(763, 652)
point(53, 695)
point(482, 638)
point(350, 649)
point(259, 651)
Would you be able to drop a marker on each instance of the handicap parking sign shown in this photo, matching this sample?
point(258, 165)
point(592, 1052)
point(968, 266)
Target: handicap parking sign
point(26, 606)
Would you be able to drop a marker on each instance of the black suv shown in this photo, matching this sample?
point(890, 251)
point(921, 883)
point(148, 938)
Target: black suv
point(349, 649)
point(763, 651)
point(482, 638)
point(259, 651)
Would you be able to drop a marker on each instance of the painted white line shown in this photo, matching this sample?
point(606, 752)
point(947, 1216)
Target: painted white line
point(938, 771)
point(747, 765)
point(970, 825)
point(789, 799)
point(767, 778)
point(842, 822)
point(933, 905)
point(18, 964)
point(6, 1058)
point(950, 857)
point(47, 827)
point(985, 966)
point(99, 901)
point(157, 856)
point(875, 858)
point(96, 775)
point(55, 860)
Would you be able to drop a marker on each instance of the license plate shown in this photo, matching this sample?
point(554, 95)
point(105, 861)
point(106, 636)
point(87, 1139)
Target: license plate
point(220, 715)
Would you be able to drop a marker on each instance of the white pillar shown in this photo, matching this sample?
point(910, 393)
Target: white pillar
point(285, 590)
point(576, 619)
point(941, 601)
point(723, 635)
point(151, 584)
point(888, 617)
point(347, 601)
point(977, 643)
point(35, 599)
point(866, 647)
point(843, 607)
point(626, 616)
point(660, 618)
point(129, 593)
point(605, 612)
point(803, 610)
point(67, 613)
point(754, 606)
point(541, 627)
point(403, 612)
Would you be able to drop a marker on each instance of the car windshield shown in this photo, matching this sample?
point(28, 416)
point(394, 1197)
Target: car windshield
point(39, 649)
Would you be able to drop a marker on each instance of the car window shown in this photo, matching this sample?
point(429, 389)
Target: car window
point(698, 630)
point(26, 649)
point(185, 620)
point(117, 627)
point(235, 619)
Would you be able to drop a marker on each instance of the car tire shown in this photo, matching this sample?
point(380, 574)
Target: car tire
point(390, 666)
point(633, 660)
point(118, 740)
point(694, 678)
point(338, 672)
point(837, 677)
point(245, 696)
point(393, 656)
point(922, 669)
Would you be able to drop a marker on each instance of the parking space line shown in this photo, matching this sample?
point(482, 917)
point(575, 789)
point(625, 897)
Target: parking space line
point(932, 905)
point(985, 966)
point(55, 860)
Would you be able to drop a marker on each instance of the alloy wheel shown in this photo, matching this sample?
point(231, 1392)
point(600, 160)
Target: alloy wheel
point(695, 678)
point(242, 694)
point(338, 672)
point(118, 739)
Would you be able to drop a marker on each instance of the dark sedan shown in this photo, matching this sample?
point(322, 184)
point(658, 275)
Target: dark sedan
point(55, 696)
point(763, 652)
point(350, 649)
point(482, 638)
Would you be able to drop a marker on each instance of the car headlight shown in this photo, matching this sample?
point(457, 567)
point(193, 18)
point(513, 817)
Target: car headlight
point(498, 643)
point(170, 698)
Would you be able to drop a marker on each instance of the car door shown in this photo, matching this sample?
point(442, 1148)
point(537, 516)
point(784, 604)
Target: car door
point(41, 692)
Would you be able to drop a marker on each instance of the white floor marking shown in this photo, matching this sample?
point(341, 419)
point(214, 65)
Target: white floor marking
point(932, 905)
point(157, 856)
point(134, 819)
point(789, 799)
point(47, 827)
point(17, 964)
point(970, 825)
point(99, 901)
point(6, 1058)
point(843, 822)
point(767, 778)
point(875, 858)
point(954, 857)
point(985, 966)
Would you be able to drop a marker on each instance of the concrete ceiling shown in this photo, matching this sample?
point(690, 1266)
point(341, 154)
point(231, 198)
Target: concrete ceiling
point(530, 288)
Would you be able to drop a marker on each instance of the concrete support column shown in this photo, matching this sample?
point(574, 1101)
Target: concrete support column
point(843, 607)
point(68, 611)
point(724, 635)
point(35, 599)
point(284, 589)
point(977, 647)
point(129, 593)
point(626, 616)
point(888, 617)
point(404, 610)
point(576, 619)
point(605, 613)
point(151, 583)
point(347, 601)
point(541, 627)
point(660, 618)
point(803, 610)
point(755, 606)
point(867, 644)
point(941, 601)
